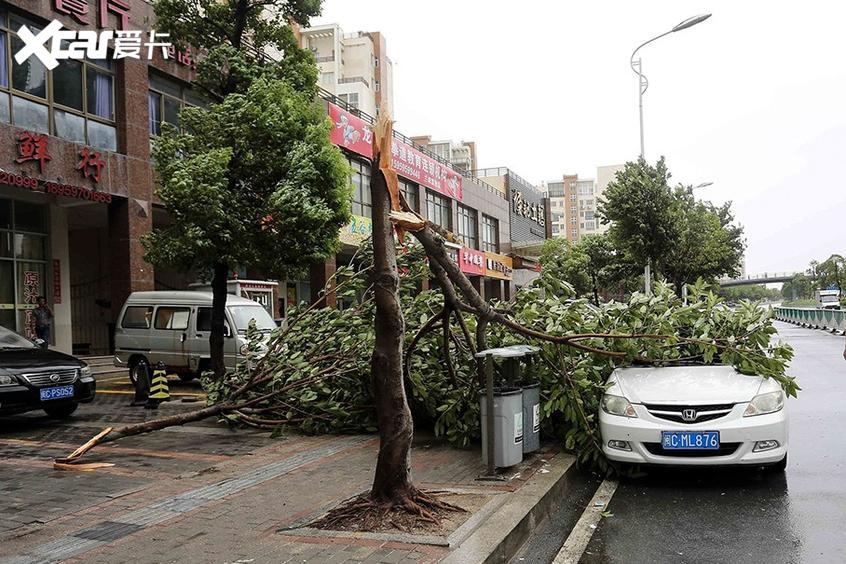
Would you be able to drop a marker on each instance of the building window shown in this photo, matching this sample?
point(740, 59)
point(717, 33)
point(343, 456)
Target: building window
point(490, 234)
point(350, 99)
point(327, 79)
point(360, 180)
point(75, 101)
point(590, 225)
point(467, 226)
point(23, 263)
point(166, 98)
point(411, 192)
point(439, 210)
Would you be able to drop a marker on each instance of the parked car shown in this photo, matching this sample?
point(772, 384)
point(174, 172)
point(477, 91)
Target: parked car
point(32, 377)
point(694, 415)
point(173, 328)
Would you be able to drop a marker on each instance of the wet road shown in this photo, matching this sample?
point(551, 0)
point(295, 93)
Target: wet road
point(741, 515)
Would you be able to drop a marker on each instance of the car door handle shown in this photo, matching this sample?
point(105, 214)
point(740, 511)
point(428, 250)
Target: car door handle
point(182, 338)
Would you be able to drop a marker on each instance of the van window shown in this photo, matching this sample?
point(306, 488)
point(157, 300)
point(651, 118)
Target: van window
point(137, 317)
point(204, 319)
point(175, 318)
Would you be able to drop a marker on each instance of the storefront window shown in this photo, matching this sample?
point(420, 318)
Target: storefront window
point(23, 263)
point(74, 101)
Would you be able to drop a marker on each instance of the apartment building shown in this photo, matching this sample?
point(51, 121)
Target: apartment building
point(574, 201)
point(355, 67)
point(462, 156)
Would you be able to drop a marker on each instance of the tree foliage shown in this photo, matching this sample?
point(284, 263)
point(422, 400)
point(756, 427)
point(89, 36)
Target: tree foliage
point(443, 389)
point(830, 272)
point(754, 292)
point(683, 238)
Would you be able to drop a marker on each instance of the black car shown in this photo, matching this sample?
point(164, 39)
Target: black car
point(32, 377)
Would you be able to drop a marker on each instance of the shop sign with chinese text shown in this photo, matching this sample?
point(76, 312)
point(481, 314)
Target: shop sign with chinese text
point(353, 133)
point(499, 266)
point(471, 261)
point(357, 230)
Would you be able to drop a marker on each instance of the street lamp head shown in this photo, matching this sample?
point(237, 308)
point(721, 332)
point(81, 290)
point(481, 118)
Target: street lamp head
point(690, 22)
point(703, 185)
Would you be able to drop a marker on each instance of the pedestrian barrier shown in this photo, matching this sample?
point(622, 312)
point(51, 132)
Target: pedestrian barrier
point(828, 319)
point(159, 390)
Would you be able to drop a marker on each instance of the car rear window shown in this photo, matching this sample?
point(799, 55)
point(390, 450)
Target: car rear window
point(137, 317)
point(174, 318)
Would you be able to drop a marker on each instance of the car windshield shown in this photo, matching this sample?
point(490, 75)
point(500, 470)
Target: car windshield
point(11, 340)
point(242, 315)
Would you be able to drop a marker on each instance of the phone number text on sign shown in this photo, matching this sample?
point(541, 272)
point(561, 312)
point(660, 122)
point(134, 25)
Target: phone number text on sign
point(67, 190)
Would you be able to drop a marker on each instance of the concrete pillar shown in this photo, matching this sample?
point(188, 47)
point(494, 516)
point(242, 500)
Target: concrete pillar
point(479, 284)
point(60, 289)
point(129, 219)
point(507, 290)
point(321, 273)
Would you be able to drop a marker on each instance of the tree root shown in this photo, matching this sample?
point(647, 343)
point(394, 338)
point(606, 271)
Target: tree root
point(406, 513)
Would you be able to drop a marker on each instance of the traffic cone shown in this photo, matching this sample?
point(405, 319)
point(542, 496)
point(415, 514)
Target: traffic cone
point(159, 391)
point(142, 390)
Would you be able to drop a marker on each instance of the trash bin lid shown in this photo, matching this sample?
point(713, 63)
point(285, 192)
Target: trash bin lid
point(499, 392)
point(513, 351)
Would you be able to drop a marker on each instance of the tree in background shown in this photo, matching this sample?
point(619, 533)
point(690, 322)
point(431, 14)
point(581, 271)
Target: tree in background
point(605, 265)
point(754, 292)
point(832, 272)
point(682, 237)
point(251, 180)
point(561, 261)
point(799, 288)
point(638, 205)
point(706, 243)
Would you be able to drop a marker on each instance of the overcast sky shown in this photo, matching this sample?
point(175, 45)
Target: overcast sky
point(753, 99)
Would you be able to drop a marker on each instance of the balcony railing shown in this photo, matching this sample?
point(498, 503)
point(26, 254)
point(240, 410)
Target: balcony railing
point(352, 79)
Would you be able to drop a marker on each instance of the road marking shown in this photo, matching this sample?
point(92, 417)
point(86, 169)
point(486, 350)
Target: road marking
point(579, 538)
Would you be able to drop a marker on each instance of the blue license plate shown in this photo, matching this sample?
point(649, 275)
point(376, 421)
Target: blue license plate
point(59, 392)
point(690, 440)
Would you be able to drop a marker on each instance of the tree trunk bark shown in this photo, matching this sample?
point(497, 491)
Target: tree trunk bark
point(218, 319)
point(392, 482)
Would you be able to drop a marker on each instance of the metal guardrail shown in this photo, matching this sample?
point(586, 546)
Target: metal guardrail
point(830, 319)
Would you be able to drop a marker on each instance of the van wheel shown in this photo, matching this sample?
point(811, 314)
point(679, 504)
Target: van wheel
point(140, 369)
point(61, 411)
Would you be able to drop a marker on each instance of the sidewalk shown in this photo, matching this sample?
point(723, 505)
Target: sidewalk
point(251, 507)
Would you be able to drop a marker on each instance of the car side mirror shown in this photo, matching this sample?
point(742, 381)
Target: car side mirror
point(226, 331)
point(39, 342)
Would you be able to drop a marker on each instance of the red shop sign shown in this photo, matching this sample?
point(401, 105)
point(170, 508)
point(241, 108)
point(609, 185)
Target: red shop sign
point(350, 132)
point(57, 281)
point(471, 261)
point(424, 170)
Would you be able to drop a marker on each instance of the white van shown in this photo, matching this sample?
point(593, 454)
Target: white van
point(174, 327)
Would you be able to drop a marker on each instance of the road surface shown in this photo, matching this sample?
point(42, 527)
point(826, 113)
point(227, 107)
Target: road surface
point(736, 515)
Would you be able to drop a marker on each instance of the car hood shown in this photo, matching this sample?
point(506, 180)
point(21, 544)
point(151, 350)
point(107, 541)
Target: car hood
point(684, 385)
point(15, 361)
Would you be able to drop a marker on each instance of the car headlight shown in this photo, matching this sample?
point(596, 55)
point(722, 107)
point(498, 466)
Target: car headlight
point(617, 405)
point(85, 373)
point(765, 403)
point(6, 380)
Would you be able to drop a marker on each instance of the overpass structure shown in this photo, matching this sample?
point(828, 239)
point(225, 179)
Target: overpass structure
point(764, 278)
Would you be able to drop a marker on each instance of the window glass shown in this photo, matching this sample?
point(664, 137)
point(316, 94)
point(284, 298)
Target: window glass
point(31, 282)
point(69, 126)
point(30, 246)
point(171, 110)
point(13, 340)
point(102, 136)
point(439, 210)
point(30, 217)
point(137, 317)
point(158, 82)
point(29, 115)
point(195, 99)
point(4, 70)
point(242, 315)
point(204, 320)
point(154, 106)
point(5, 214)
point(175, 318)
point(29, 76)
point(7, 282)
point(67, 84)
point(99, 90)
point(5, 114)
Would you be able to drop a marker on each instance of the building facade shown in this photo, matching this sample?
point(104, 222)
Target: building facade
point(462, 156)
point(574, 202)
point(355, 67)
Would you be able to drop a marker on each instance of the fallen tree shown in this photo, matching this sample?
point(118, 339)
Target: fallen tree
point(354, 370)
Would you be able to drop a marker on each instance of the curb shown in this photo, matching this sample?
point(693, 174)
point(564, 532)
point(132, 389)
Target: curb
point(498, 540)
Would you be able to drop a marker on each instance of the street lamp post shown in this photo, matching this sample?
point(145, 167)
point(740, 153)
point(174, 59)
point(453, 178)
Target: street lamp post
point(643, 84)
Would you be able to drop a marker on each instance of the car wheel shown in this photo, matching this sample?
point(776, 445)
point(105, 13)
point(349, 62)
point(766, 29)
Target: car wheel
point(779, 466)
point(61, 411)
point(140, 369)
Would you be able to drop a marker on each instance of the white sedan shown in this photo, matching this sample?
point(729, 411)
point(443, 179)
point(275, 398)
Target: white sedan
point(694, 416)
